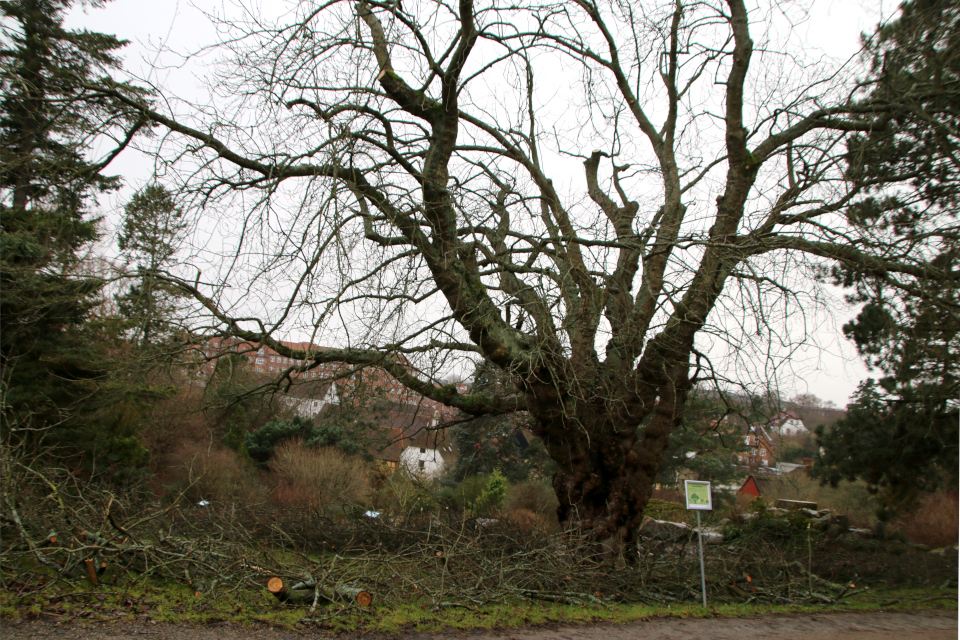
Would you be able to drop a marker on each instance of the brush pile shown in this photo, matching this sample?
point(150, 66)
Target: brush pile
point(58, 527)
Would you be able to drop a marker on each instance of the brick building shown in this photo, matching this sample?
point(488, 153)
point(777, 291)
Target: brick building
point(762, 448)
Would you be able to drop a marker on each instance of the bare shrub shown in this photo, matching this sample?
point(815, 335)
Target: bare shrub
point(319, 476)
point(172, 421)
point(295, 495)
point(849, 498)
point(206, 472)
point(535, 496)
point(936, 522)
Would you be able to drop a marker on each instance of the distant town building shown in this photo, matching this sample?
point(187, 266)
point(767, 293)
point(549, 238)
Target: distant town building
point(815, 416)
point(429, 454)
point(761, 448)
point(787, 423)
point(308, 399)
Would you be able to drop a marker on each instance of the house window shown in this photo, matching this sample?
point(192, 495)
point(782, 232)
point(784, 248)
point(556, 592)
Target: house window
point(423, 450)
point(260, 361)
point(763, 452)
point(260, 352)
point(421, 464)
point(273, 358)
point(258, 369)
point(746, 440)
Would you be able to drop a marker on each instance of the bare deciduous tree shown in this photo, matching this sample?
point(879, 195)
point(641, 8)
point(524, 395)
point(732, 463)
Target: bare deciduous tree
point(402, 166)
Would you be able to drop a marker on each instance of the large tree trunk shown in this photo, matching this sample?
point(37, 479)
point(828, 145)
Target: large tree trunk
point(607, 462)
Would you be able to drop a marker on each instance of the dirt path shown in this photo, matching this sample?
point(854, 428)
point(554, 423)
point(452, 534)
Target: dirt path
point(919, 625)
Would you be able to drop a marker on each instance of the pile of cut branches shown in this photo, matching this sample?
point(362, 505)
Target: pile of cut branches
point(58, 525)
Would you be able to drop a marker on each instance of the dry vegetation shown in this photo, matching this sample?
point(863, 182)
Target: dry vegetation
point(936, 521)
point(849, 498)
point(319, 477)
point(419, 549)
point(304, 514)
point(203, 471)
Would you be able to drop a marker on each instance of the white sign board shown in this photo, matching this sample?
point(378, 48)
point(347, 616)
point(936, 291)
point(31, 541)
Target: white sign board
point(698, 495)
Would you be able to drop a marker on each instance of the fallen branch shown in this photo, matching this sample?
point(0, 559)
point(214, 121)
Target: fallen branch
point(307, 591)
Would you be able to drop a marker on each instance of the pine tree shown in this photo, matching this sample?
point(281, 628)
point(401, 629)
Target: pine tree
point(153, 227)
point(901, 431)
point(50, 113)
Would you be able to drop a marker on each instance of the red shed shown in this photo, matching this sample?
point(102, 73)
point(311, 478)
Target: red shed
point(750, 487)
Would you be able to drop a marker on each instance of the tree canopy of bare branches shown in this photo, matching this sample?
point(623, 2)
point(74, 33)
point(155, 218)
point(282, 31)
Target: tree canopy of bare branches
point(407, 167)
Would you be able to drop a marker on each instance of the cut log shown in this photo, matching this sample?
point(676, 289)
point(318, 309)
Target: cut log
point(275, 585)
point(296, 596)
point(303, 593)
point(364, 598)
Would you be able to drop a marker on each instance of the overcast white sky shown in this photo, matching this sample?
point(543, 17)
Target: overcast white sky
point(831, 370)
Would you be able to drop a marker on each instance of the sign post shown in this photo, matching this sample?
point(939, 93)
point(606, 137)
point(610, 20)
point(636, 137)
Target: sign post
point(699, 498)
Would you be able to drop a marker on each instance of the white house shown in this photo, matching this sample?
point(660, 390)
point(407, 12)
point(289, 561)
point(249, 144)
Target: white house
point(787, 423)
point(309, 398)
point(422, 461)
point(428, 454)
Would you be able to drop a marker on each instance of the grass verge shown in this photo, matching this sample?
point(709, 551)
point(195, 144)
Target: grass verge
point(173, 604)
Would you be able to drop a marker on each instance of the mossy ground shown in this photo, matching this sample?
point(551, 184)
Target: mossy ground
point(173, 603)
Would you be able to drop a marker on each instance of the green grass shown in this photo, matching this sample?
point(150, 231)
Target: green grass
point(172, 603)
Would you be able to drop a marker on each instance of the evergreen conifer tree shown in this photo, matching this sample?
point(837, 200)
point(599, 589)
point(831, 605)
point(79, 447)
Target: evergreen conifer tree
point(901, 432)
point(153, 227)
point(51, 111)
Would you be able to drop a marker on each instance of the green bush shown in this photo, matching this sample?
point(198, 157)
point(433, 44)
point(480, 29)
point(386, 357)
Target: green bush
point(469, 490)
point(769, 526)
point(401, 495)
point(446, 496)
point(262, 442)
point(492, 497)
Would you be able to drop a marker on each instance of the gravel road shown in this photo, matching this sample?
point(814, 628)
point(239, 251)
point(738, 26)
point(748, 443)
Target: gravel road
point(900, 625)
